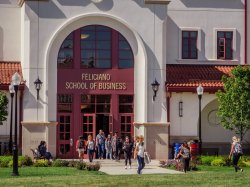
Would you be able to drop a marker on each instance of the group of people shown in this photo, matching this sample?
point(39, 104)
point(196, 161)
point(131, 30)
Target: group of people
point(235, 153)
point(113, 147)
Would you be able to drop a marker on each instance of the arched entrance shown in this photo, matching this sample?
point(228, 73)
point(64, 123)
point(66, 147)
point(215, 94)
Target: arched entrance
point(95, 86)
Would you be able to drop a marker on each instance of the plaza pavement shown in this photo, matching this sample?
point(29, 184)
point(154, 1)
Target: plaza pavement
point(112, 167)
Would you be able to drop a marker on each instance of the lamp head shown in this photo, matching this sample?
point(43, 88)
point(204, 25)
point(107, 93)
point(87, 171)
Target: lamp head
point(16, 79)
point(200, 90)
point(38, 83)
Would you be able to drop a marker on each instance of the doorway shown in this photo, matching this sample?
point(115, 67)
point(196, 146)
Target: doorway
point(102, 122)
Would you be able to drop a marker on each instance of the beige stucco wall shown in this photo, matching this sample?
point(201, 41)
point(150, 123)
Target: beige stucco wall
point(34, 132)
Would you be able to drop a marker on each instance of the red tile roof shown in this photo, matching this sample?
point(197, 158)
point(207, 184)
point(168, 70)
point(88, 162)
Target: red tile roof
point(185, 78)
point(7, 69)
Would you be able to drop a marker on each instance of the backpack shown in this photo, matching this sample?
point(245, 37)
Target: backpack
point(238, 149)
point(80, 144)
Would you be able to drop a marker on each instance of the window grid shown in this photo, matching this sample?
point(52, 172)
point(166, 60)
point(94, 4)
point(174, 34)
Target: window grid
point(224, 45)
point(189, 45)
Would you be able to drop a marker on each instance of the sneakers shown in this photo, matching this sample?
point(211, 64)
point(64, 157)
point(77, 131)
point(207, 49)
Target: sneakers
point(241, 170)
point(129, 167)
point(125, 167)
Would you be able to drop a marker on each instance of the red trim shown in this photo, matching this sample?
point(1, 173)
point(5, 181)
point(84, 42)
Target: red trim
point(245, 30)
point(6, 87)
point(192, 89)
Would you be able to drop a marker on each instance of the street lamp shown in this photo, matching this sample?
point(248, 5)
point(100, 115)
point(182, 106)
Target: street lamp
point(200, 93)
point(12, 91)
point(16, 79)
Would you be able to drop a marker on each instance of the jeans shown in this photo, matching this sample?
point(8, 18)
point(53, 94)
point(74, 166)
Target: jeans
point(185, 164)
point(109, 154)
point(91, 155)
point(101, 148)
point(141, 164)
point(127, 158)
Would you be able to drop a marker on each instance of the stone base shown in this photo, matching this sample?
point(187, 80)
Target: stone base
point(156, 136)
point(34, 132)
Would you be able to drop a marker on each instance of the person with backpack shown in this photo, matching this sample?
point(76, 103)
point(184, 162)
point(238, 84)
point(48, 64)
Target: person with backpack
point(185, 155)
point(108, 147)
point(140, 149)
point(236, 152)
point(80, 147)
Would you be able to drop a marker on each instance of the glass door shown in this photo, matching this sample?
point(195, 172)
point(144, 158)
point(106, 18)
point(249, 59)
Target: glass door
point(64, 131)
point(88, 125)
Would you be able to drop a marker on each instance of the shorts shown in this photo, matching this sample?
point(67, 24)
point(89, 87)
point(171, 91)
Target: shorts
point(80, 151)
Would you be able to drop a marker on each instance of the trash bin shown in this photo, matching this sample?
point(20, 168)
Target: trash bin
point(194, 149)
point(176, 148)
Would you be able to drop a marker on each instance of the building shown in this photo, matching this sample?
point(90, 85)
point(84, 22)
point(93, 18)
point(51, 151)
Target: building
point(97, 60)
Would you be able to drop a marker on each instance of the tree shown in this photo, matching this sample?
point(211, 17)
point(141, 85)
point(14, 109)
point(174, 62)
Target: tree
point(3, 107)
point(234, 101)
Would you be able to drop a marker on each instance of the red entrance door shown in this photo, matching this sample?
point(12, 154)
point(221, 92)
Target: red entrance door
point(65, 132)
point(88, 125)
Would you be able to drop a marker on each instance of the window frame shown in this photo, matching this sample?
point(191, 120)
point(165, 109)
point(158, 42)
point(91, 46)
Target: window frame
point(225, 42)
point(198, 42)
point(215, 42)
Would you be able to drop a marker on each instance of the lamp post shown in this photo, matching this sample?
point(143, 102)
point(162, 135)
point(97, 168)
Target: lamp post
point(12, 91)
point(38, 83)
point(155, 87)
point(16, 79)
point(200, 93)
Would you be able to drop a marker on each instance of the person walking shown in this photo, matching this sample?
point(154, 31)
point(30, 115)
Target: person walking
point(236, 152)
point(140, 149)
point(114, 145)
point(100, 144)
point(90, 148)
point(185, 155)
point(80, 147)
point(118, 148)
point(108, 147)
point(127, 148)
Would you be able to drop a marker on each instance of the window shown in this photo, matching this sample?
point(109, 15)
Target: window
point(224, 45)
point(125, 54)
point(95, 46)
point(95, 103)
point(65, 55)
point(64, 103)
point(189, 44)
point(126, 104)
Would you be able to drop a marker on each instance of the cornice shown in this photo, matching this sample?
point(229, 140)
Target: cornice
point(162, 2)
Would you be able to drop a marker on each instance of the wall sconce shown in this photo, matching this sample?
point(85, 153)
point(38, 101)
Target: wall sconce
point(38, 83)
point(155, 86)
point(180, 109)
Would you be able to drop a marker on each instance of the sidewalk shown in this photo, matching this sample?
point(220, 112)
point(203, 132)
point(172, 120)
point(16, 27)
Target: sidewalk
point(112, 167)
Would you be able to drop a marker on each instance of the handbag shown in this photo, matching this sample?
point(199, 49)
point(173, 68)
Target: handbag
point(147, 157)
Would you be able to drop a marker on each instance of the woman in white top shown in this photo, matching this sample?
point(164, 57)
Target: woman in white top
point(236, 152)
point(90, 148)
point(140, 149)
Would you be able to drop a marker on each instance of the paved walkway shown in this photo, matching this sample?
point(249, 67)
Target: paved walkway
point(117, 168)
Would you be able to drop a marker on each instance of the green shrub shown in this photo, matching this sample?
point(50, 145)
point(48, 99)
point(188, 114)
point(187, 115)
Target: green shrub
point(72, 163)
point(93, 166)
point(206, 160)
point(10, 164)
point(4, 160)
point(26, 161)
point(241, 163)
point(41, 163)
point(60, 163)
point(81, 165)
point(245, 158)
point(218, 162)
point(228, 162)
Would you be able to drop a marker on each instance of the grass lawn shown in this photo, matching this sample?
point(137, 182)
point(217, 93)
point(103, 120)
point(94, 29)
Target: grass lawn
point(52, 176)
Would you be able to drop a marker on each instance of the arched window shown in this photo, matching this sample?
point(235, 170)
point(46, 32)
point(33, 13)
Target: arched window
point(95, 46)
